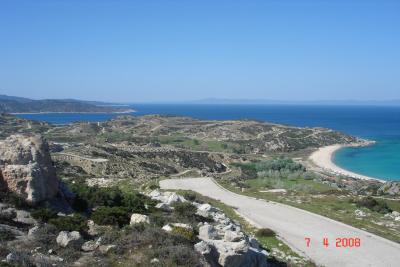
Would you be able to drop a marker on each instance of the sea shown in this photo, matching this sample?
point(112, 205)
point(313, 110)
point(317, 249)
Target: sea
point(378, 123)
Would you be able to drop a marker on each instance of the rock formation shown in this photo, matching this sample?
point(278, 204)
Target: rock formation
point(26, 168)
point(222, 242)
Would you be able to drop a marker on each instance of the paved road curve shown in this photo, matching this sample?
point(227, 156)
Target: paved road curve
point(293, 225)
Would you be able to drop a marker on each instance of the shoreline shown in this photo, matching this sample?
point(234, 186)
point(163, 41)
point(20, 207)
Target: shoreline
point(323, 159)
point(72, 112)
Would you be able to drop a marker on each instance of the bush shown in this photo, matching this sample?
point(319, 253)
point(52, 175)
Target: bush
point(43, 215)
point(46, 235)
point(108, 197)
point(13, 199)
point(158, 219)
point(176, 255)
point(117, 216)
point(6, 235)
point(80, 204)
point(248, 170)
point(169, 249)
point(185, 209)
point(374, 205)
point(70, 223)
point(265, 232)
point(153, 186)
point(189, 196)
point(136, 202)
point(187, 233)
point(280, 164)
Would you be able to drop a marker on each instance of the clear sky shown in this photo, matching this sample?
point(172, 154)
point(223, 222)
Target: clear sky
point(182, 50)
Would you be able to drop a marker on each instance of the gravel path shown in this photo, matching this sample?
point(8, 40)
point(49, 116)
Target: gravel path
point(294, 225)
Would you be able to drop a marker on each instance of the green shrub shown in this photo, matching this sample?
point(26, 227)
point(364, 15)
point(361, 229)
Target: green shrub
point(280, 164)
point(153, 186)
point(187, 233)
point(117, 216)
point(108, 197)
point(6, 235)
point(248, 170)
point(136, 202)
point(70, 223)
point(80, 204)
point(374, 205)
point(189, 196)
point(158, 219)
point(13, 199)
point(43, 215)
point(176, 255)
point(185, 209)
point(265, 232)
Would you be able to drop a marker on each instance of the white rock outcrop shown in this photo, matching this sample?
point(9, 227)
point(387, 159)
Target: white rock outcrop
point(66, 238)
point(137, 218)
point(168, 198)
point(91, 245)
point(207, 232)
point(222, 241)
point(26, 168)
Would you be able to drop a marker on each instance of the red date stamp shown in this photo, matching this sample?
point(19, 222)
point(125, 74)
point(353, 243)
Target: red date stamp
point(339, 242)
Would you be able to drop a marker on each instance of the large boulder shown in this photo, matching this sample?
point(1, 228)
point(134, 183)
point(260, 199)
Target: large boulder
point(26, 168)
point(232, 254)
point(168, 198)
point(137, 218)
point(66, 238)
point(207, 232)
point(91, 245)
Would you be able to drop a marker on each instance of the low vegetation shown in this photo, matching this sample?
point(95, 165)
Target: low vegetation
point(372, 204)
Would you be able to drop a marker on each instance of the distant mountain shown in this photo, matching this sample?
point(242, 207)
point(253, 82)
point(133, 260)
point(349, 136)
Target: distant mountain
point(219, 101)
point(14, 98)
point(13, 104)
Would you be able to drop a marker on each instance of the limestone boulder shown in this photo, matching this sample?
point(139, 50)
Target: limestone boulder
point(207, 232)
point(26, 168)
point(91, 245)
point(232, 236)
point(137, 218)
point(232, 254)
point(66, 238)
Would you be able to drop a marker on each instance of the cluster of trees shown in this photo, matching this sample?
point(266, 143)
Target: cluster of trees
point(275, 168)
point(105, 206)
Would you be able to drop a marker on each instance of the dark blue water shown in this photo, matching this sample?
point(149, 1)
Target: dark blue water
point(377, 123)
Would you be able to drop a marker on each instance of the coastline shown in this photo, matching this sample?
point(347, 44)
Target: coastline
point(72, 112)
point(322, 158)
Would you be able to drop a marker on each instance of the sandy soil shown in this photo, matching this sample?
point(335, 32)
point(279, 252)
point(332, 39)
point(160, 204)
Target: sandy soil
point(294, 225)
point(322, 158)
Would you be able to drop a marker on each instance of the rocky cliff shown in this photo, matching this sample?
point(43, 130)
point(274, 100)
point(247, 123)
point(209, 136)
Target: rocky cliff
point(26, 168)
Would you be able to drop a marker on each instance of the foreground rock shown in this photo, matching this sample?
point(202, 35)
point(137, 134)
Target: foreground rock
point(137, 218)
point(166, 198)
point(26, 168)
point(66, 238)
point(222, 241)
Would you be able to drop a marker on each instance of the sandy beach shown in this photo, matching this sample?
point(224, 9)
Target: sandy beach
point(322, 158)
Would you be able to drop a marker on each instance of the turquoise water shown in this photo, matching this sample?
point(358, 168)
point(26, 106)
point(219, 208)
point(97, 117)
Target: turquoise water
point(381, 124)
point(381, 160)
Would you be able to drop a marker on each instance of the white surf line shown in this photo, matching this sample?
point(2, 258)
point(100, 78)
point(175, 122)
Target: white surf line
point(323, 158)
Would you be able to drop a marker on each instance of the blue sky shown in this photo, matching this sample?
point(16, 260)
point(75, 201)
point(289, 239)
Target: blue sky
point(182, 50)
